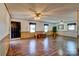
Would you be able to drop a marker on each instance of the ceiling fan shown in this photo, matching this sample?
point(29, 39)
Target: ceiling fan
point(38, 15)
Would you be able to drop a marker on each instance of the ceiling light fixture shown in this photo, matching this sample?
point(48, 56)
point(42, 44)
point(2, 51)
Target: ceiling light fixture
point(61, 22)
point(37, 16)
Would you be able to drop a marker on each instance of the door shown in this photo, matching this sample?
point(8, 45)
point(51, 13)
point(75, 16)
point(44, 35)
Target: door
point(15, 29)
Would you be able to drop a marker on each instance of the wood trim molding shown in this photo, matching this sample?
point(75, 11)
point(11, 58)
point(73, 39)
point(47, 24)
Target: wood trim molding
point(8, 35)
point(8, 10)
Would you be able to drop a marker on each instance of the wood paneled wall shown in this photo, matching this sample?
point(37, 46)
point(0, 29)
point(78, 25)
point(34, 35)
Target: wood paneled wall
point(31, 35)
point(4, 45)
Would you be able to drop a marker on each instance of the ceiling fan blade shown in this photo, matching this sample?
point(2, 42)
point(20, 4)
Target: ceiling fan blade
point(46, 9)
point(31, 9)
point(47, 15)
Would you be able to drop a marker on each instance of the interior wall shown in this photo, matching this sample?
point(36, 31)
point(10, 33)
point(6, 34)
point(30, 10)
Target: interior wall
point(4, 21)
point(4, 28)
point(78, 27)
point(70, 17)
point(78, 21)
point(25, 28)
point(39, 25)
point(65, 31)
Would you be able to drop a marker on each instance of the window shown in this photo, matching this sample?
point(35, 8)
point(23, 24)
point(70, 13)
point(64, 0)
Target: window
point(45, 27)
point(71, 26)
point(32, 27)
point(61, 27)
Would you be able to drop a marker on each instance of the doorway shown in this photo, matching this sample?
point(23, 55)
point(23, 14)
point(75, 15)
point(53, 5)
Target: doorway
point(15, 29)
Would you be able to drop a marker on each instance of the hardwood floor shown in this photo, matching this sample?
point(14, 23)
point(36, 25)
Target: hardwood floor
point(43, 47)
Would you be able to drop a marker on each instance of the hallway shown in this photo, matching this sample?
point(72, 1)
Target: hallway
point(43, 47)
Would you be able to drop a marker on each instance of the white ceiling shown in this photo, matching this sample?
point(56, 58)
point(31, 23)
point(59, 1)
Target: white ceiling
point(56, 12)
